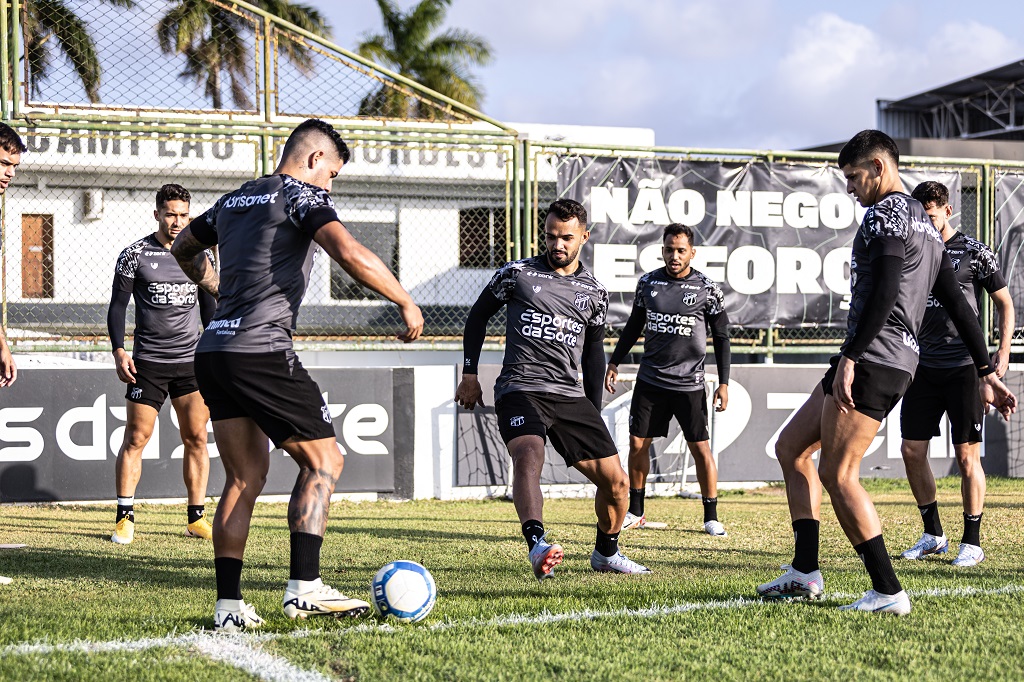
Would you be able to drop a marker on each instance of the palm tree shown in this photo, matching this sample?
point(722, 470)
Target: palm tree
point(51, 25)
point(439, 62)
point(214, 42)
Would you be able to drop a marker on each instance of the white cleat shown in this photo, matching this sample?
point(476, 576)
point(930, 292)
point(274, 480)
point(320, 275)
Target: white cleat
point(794, 585)
point(928, 544)
point(715, 528)
point(544, 557)
point(305, 598)
point(634, 521)
point(234, 615)
point(969, 555)
point(875, 602)
point(617, 563)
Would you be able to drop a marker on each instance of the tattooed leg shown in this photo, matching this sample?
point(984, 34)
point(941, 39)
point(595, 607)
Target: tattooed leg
point(320, 464)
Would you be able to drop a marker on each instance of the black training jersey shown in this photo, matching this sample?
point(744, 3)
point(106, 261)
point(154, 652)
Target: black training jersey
point(265, 233)
point(899, 216)
point(675, 335)
point(976, 269)
point(547, 319)
point(167, 323)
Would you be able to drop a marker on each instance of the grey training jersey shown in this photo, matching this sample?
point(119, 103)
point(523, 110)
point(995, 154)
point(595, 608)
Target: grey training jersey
point(547, 319)
point(167, 322)
point(902, 217)
point(675, 335)
point(976, 269)
point(265, 232)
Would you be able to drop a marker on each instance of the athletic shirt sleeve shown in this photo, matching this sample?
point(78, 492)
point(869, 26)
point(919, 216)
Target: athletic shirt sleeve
point(600, 307)
point(885, 227)
point(985, 267)
point(503, 283)
point(204, 228)
point(308, 207)
point(638, 295)
point(715, 303)
point(127, 266)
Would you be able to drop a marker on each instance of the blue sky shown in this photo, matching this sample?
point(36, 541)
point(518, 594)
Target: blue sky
point(717, 73)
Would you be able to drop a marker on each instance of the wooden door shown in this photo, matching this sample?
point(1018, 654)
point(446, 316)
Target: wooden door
point(36, 255)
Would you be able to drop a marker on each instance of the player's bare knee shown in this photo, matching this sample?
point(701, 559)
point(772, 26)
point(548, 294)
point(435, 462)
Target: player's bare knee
point(969, 464)
point(135, 440)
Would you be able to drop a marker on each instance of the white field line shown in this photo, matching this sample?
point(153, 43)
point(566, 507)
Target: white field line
point(244, 651)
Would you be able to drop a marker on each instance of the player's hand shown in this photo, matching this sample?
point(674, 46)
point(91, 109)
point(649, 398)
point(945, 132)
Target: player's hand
point(842, 386)
point(469, 393)
point(995, 393)
point(1001, 361)
point(610, 375)
point(721, 400)
point(124, 365)
point(413, 318)
point(8, 370)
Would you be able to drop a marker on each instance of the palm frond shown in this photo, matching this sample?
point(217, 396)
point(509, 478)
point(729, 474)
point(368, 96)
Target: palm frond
point(72, 35)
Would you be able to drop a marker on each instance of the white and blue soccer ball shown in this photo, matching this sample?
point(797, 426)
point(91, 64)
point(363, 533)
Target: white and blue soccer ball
point(404, 590)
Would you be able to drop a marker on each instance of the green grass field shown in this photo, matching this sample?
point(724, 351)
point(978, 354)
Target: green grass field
point(81, 608)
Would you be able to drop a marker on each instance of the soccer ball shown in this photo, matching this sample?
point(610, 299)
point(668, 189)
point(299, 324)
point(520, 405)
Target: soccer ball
point(403, 590)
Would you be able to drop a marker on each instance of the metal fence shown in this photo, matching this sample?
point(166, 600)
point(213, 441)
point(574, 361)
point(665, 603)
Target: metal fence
point(114, 101)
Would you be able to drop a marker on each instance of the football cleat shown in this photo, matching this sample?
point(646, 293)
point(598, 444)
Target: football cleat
point(304, 598)
point(715, 528)
point(234, 615)
point(876, 602)
point(617, 563)
point(124, 531)
point(969, 555)
point(928, 544)
point(200, 528)
point(544, 557)
point(634, 521)
point(793, 585)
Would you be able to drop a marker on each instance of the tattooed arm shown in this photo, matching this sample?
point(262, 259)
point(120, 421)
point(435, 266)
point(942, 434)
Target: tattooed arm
point(191, 256)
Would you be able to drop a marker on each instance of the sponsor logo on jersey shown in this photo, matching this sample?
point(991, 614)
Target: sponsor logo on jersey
point(325, 413)
point(549, 327)
point(582, 301)
point(654, 293)
point(245, 202)
point(536, 289)
point(156, 253)
point(668, 323)
point(910, 342)
point(689, 299)
point(517, 421)
point(154, 265)
point(224, 326)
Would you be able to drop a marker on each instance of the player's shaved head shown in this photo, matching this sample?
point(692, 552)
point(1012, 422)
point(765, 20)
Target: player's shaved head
point(315, 135)
point(866, 145)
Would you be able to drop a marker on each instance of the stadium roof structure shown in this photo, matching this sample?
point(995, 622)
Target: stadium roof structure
point(989, 105)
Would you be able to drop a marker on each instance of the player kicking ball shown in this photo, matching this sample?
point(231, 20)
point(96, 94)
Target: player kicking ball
point(897, 259)
point(673, 307)
point(170, 312)
point(946, 383)
point(555, 327)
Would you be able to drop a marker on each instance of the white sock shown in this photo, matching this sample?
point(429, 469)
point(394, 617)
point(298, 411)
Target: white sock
point(126, 501)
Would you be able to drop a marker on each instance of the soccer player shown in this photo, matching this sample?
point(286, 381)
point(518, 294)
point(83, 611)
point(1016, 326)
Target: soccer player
point(168, 310)
point(673, 308)
point(251, 378)
point(946, 383)
point(555, 327)
point(897, 259)
point(11, 149)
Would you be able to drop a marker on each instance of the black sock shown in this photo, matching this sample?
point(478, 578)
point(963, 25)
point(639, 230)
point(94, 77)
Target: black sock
point(607, 543)
point(710, 508)
point(533, 531)
point(229, 577)
point(636, 501)
point(972, 530)
point(124, 510)
point(876, 560)
point(305, 563)
point(930, 516)
point(805, 537)
point(196, 512)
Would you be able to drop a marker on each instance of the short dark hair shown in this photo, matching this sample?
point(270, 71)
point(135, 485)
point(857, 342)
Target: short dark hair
point(314, 126)
point(931, 192)
point(567, 209)
point(10, 141)
point(676, 229)
point(171, 192)
point(866, 144)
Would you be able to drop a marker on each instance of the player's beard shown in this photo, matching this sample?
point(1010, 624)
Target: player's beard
point(561, 262)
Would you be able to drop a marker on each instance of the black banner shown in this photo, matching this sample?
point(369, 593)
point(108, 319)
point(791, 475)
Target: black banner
point(1008, 239)
point(60, 431)
point(776, 236)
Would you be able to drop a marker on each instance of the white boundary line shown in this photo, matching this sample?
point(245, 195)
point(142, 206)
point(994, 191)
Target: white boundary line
point(245, 651)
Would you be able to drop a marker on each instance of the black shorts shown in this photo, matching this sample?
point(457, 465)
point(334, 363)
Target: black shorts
point(574, 425)
point(876, 388)
point(936, 391)
point(652, 409)
point(272, 389)
point(154, 381)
